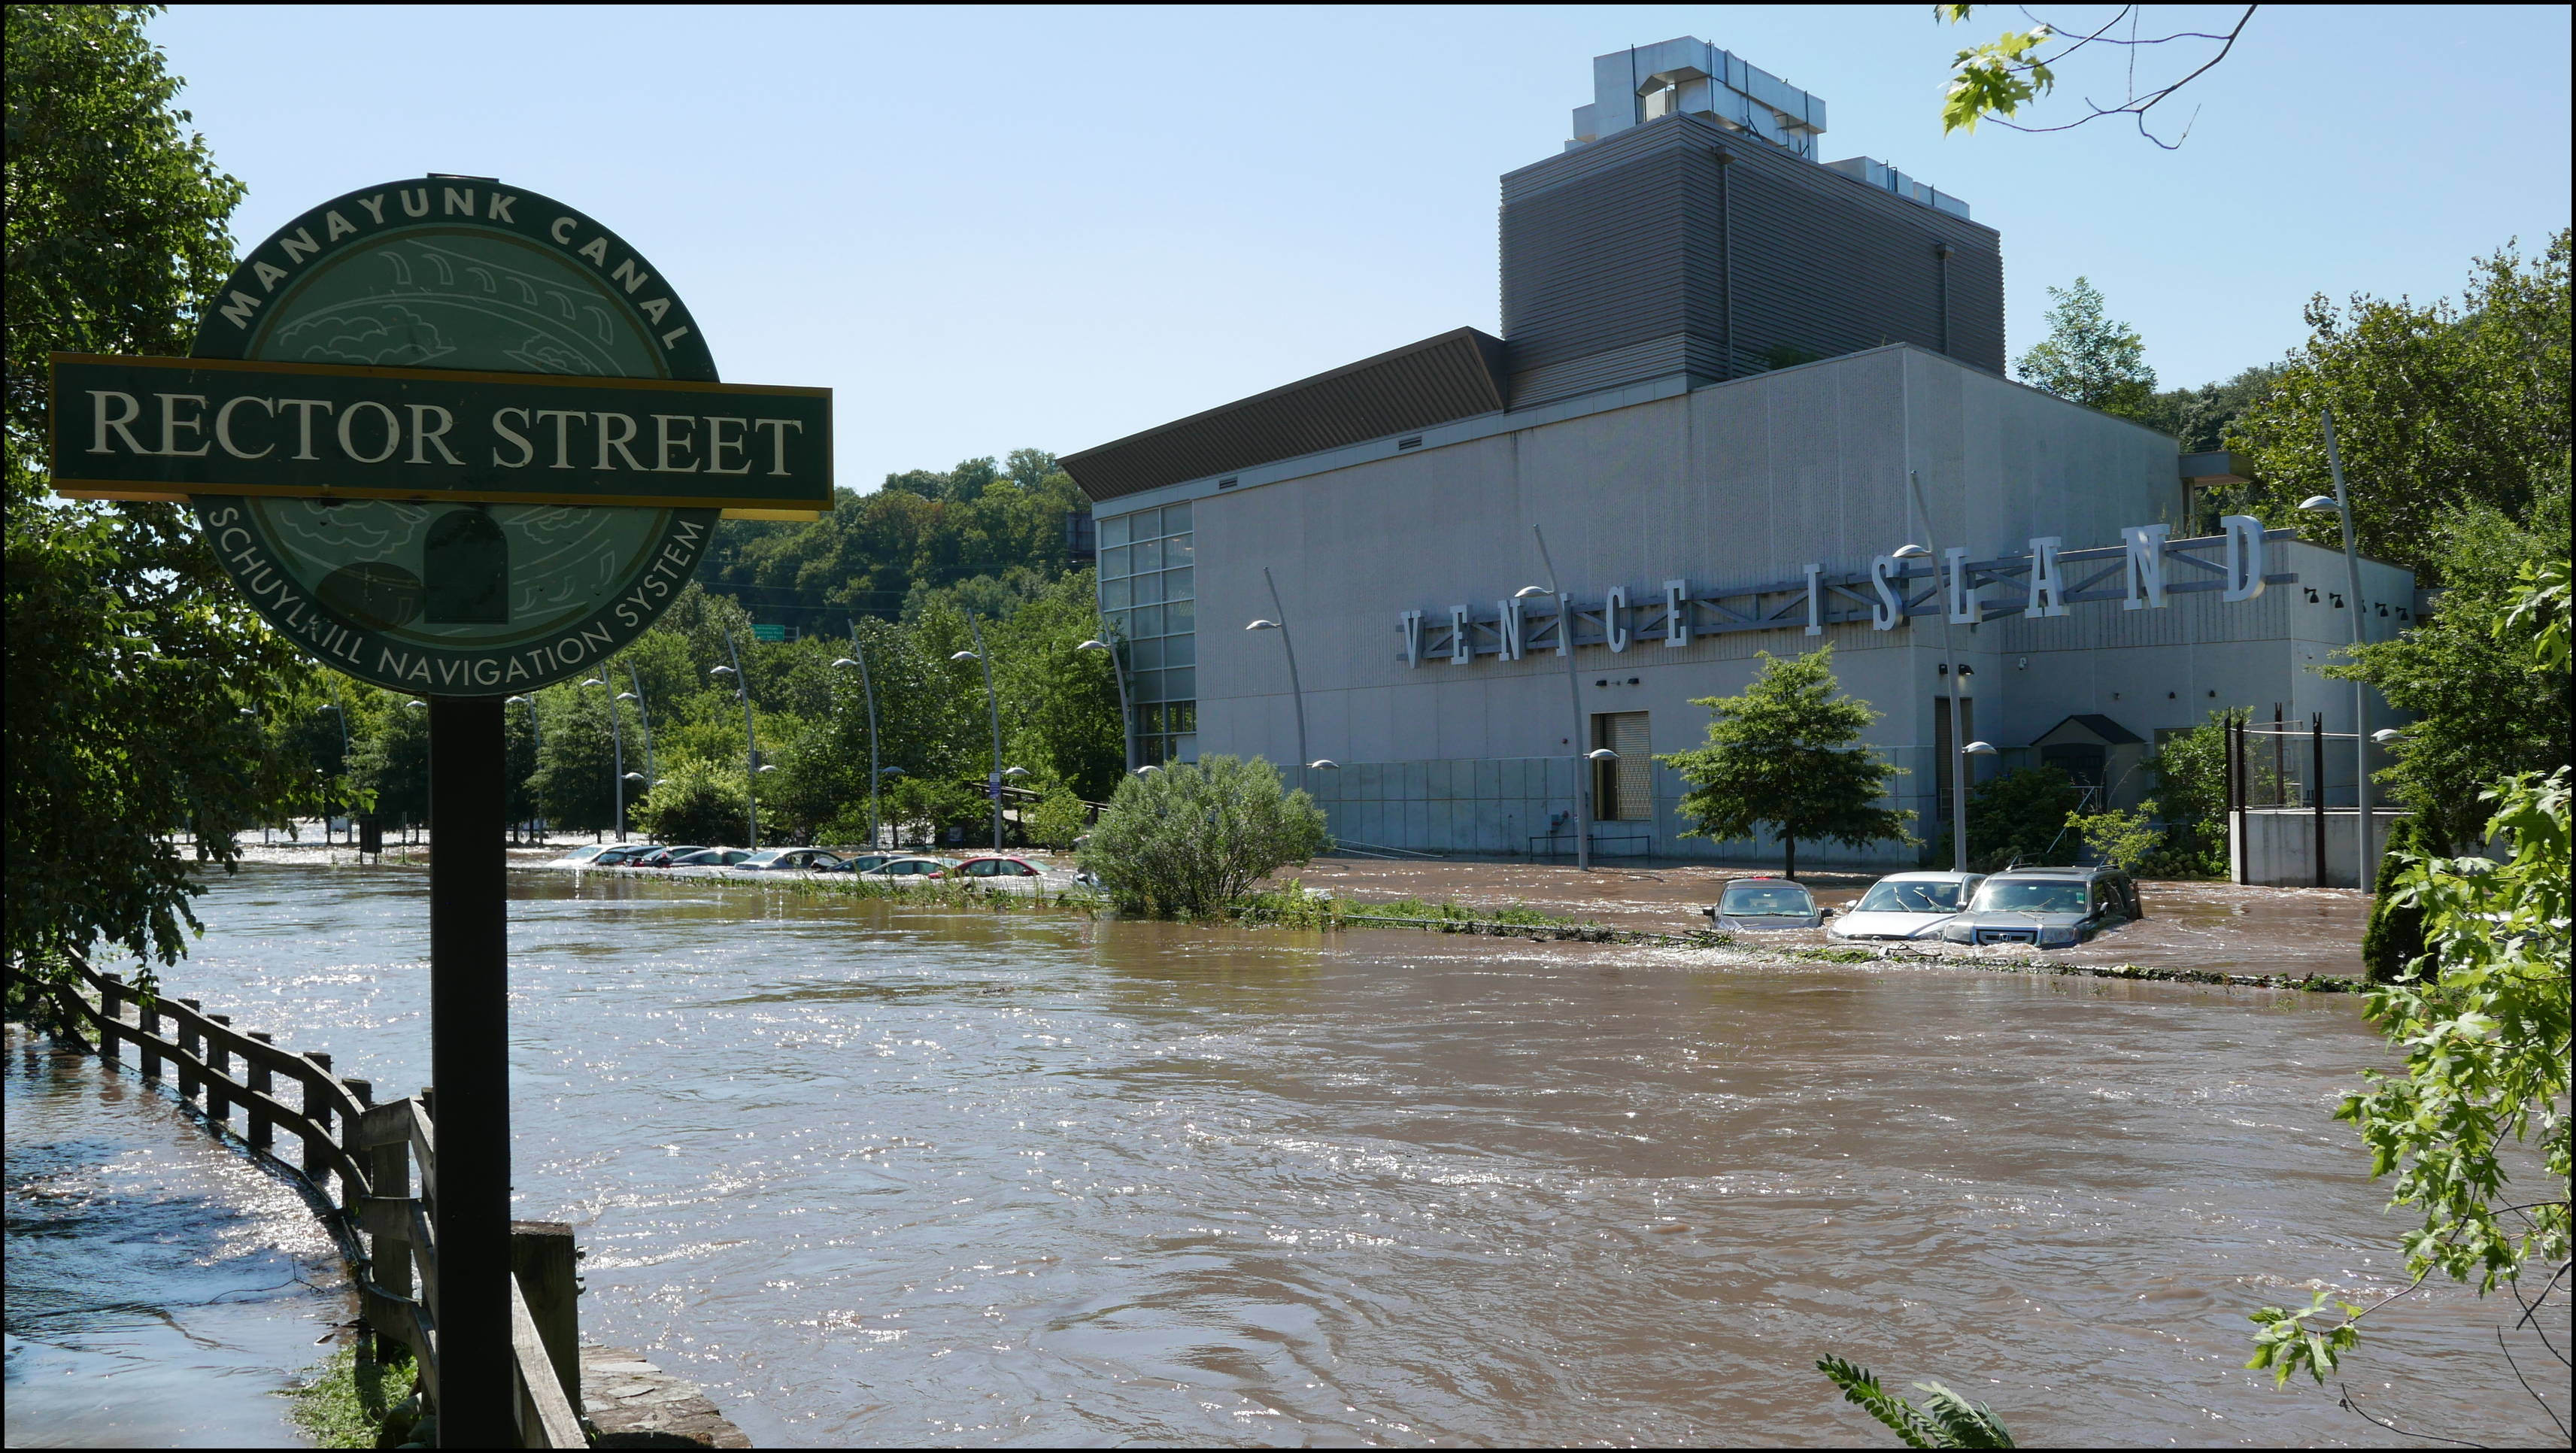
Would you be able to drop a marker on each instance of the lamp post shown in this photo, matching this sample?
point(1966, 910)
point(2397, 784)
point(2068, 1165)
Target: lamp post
point(2341, 504)
point(333, 706)
point(1126, 715)
point(617, 747)
point(750, 743)
point(859, 657)
point(1574, 697)
point(1296, 692)
point(652, 774)
point(992, 705)
point(536, 752)
point(1956, 670)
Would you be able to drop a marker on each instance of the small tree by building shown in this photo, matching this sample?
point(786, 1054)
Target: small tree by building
point(1058, 819)
point(1787, 753)
point(697, 801)
point(1197, 835)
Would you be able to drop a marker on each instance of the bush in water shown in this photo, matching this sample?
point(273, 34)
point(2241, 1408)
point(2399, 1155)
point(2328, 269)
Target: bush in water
point(1197, 835)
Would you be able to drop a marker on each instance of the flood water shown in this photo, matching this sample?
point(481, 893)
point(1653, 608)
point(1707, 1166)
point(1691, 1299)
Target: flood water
point(879, 1174)
point(163, 1289)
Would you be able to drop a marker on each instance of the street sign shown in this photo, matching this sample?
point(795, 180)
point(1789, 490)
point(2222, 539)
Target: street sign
point(452, 437)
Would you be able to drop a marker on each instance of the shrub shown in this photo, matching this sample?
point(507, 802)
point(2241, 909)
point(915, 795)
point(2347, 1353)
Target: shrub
point(2121, 838)
point(2394, 938)
point(1196, 836)
point(2022, 816)
point(1058, 819)
point(695, 802)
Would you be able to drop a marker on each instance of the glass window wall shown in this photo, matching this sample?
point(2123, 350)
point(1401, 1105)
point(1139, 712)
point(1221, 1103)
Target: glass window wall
point(1148, 590)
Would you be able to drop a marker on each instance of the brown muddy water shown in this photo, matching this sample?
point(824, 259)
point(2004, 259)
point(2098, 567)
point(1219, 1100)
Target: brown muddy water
point(891, 1175)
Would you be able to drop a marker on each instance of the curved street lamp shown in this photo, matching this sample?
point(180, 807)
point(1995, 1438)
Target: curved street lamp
point(859, 657)
point(1574, 697)
point(993, 705)
point(750, 742)
point(1126, 714)
point(2341, 503)
point(1296, 693)
point(617, 750)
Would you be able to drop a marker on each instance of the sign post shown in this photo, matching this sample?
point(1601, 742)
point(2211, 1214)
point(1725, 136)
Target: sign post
point(457, 440)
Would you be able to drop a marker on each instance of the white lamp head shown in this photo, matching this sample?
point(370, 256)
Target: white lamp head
point(720, 671)
point(1978, 749)
point(517, 700)
point(1910, 552)
point(594, 681)
point(965, 656)
point(1527, 592)
point(1093, 646)
point(634, 776)
point(2386, 735)
point(768, 767)
point(1324, 764)
point(1601, 754)
point(889, 771)
point(1015, 771)
point(1147, 768)
point(845, 661)
point(2318, 502)
point(1264, 625)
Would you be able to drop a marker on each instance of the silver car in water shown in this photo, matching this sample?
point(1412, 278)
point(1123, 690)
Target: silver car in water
point(1756, 905)
point(1906, 905)
point(2046, 907)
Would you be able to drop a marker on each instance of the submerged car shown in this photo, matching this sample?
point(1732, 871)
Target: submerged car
point(992, 866)
point(863, 863)
point(664, 857)
point(620, 855)
point(791, 860)
point(580, 857)
point(711, 858)
point(2046, 907)
point(910, 868)
point(1755, 905)
point(1906, 905)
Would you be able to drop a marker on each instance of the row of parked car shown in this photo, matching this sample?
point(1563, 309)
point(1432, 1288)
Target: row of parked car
point(797, 860)
point(2042, 907)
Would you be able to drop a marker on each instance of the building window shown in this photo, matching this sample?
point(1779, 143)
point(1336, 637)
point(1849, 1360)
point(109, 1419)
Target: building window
point(1148, 596)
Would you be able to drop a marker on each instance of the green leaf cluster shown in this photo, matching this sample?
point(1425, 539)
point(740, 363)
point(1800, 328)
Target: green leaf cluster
point(2019, 816)
point(1945, 1420)
point(2125, 838)
point(1787, 753)
point(2437, 407)
point(2482, 1016)
point(1994, 79)
point(1194, 837)
point(2089, 357)
point(143, 698)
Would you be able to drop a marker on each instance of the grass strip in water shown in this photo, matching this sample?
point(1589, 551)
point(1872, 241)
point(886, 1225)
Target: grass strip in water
point(345, 1402)
point(946, 893)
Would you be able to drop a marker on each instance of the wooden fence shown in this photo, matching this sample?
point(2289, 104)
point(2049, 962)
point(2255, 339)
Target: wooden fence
point(372, 1153)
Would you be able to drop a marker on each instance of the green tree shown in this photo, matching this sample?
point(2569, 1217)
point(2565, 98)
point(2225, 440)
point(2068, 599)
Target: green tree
point(142, 695)
point(1787, 753)
point(2191, 782)
point(576, 765)
point(2090, 358)
point(2436, 408)
point(2019, 817)
point(2484, 709)
point(2393, 940)
point(1060, 702)
point(1195, 836)
point(1059, 819)
point(2483, 1021)
point(392, 763)
point(697, 801)
point(2126, 838)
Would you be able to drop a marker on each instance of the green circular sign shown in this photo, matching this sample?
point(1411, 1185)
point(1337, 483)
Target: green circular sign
point(454, 599)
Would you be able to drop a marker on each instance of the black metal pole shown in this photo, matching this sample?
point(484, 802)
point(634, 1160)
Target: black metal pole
point(2317, 788)
point(469, 1045)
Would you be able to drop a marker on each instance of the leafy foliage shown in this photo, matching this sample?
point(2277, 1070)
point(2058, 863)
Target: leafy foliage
point(2483, 1019)
point(2123, 837)
point(2394, 938)
point(2191, 783)
point(697, 801)
point(1996, 80)
point(1787, 752)
point(142, 695)
point(2436, 408)
point(1059, 819)
point(2090, 358)
point(1946, 1420)
point(2019, 816)
point(2485, 708)
point(1194, 837)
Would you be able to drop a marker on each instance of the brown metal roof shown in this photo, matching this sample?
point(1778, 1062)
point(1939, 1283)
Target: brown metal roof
point(1454, 375)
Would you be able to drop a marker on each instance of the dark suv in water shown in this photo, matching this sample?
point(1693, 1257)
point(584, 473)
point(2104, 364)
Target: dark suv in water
point(2046, 907)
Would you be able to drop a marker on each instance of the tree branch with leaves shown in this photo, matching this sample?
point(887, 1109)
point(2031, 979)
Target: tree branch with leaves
point(2018, 68)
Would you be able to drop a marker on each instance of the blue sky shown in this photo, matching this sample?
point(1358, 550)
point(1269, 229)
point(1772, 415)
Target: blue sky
point(988, 228)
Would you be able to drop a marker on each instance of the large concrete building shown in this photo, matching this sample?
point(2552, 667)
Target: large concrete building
point(1733, 382)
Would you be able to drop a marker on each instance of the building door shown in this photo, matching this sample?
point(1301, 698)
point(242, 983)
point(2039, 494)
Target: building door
point(1944, 754)
point(1624, 790)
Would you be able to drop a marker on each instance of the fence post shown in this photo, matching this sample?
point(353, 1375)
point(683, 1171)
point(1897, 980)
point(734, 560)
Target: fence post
point(258, 1129)
point(364, 1092)
point(317, 1127)
point(2317, 788)
point(541, 1257)
point(219, 1106)
point(148, 1019)
point(111, 1011)
point(195, 1048)
point(389, 1180)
